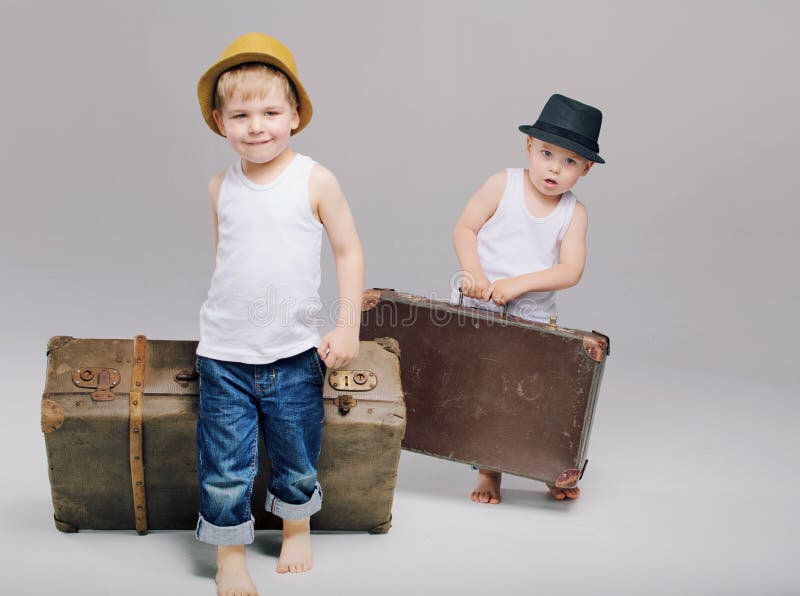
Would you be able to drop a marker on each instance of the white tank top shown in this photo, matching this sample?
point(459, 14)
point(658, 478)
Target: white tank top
point(513, 242)
point(263, 303)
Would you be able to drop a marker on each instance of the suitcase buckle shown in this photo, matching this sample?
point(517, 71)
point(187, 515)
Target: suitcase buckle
point(345, 403)
point(102, 380)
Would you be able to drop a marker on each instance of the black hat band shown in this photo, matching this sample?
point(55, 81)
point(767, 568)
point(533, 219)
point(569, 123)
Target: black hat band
point(567, 134)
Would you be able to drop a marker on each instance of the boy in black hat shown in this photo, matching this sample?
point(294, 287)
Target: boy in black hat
point(522, 235)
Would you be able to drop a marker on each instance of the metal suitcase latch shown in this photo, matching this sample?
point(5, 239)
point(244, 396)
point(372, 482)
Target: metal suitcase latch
point(102, 380)
point(345, 403)
point(353, 380)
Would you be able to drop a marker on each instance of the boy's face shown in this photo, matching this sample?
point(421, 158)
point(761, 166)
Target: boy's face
point(258, 129)
point(553, 169)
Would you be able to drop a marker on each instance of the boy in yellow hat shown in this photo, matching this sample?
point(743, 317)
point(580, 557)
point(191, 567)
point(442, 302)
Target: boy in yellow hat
point(522, 235)
point(261, 358)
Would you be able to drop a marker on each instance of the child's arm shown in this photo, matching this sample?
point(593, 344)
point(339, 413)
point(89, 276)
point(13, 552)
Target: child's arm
point(329, 204)
point(479, 209)
point(566, 274)
point(213, 195)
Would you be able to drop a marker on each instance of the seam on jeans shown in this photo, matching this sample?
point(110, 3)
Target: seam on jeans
point(317, 361)
point(253, 468)
point(254, 448)
point(200, 473)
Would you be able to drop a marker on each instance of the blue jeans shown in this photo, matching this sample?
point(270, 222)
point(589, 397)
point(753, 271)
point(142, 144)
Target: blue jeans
point(284, 398)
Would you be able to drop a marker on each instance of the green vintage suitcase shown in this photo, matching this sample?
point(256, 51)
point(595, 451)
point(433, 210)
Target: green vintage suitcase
point(119, 419)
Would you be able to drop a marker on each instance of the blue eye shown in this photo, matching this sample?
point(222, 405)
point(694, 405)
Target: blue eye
point(546, 153)
point(570, 161)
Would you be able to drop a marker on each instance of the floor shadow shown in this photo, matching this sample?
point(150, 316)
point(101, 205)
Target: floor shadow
point(536, 498)
point(29, 514)
point(441, 479)
point(433, 476)
point(203, 557)
point(268, 542)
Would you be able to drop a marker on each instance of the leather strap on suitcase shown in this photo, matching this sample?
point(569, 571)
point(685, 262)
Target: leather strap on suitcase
point(136, 432)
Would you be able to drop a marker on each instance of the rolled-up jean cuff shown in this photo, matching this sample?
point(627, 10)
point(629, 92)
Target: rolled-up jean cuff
point(225, 535)
point(291, 512)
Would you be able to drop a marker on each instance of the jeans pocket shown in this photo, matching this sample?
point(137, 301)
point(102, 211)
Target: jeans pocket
point(198, 364)
point(319, 365)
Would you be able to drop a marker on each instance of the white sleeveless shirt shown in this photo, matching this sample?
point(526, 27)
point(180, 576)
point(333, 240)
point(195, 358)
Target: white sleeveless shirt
point(513, 242)
point(263, 303)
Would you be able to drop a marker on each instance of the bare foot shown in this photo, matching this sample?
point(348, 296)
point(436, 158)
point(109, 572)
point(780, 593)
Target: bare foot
point(295, 554)
point(560, 494)
point(488, 488)
point(232, 576)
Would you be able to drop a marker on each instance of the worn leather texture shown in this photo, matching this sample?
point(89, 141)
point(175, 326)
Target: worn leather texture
point(492, 390)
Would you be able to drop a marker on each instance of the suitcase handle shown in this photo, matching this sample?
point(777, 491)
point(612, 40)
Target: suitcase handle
point(461, 303)
point(183, 377)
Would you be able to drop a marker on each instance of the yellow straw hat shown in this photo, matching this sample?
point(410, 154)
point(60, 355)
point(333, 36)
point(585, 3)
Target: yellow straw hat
point(252, 47)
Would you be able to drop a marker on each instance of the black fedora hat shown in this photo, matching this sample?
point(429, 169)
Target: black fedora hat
point(569, 124)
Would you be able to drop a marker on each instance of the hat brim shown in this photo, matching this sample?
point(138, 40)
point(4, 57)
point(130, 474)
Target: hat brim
point(207, 84)
point(562, 142)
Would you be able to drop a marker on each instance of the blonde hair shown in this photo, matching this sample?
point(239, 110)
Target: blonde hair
point(253, 80)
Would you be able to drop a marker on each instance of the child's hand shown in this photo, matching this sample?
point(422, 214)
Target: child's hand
point(503, 291)
point(474, 287)
point(339, 347)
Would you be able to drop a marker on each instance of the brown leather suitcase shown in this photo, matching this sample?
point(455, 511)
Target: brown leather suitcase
point(492, 390)
point(119, 421)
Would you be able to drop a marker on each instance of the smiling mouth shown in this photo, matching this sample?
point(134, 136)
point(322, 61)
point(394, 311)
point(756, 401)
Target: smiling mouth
point(257, 142)
point(550, 181)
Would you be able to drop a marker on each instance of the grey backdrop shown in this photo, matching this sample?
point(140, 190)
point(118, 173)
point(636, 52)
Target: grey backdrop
point(107, 233)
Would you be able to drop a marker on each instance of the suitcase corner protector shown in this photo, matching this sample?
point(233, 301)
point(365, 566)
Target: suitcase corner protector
point(389, 344)
point(370, 299)
point(568, 478)
point(382, 528)
point(58, 341)
point(52, 415)
point(596, 348)
point(63, 526)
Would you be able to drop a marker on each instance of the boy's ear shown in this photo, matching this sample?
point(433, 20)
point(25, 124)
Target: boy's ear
point(218, 121)
point(528, 145)
point(295, 119)
point(587, 168)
